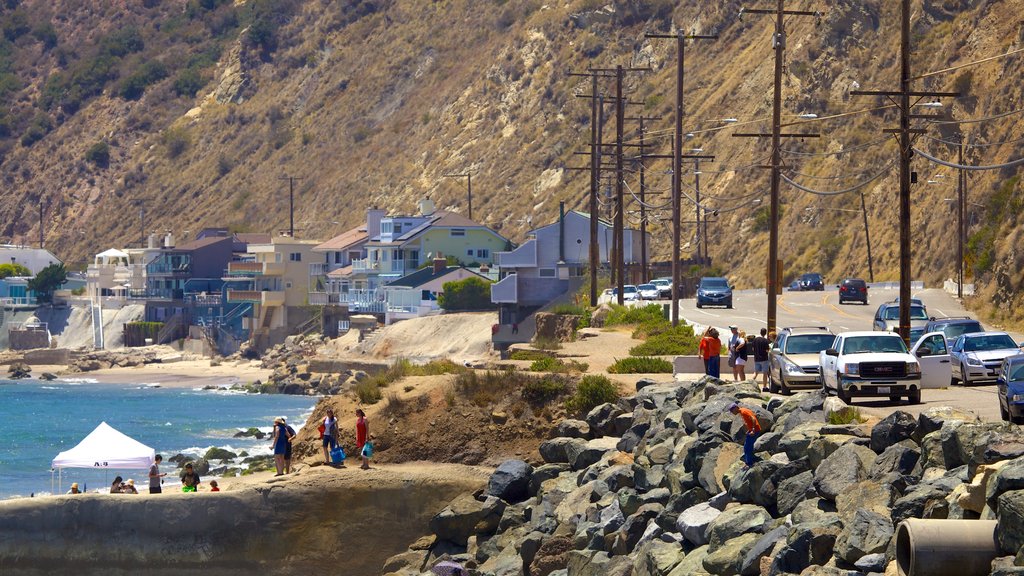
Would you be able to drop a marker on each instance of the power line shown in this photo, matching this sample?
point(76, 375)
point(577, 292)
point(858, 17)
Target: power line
point(864, 146)
point(838, 192)
point(967, 145)
point(975, 63)
point(1010, 164)
point(976, 120)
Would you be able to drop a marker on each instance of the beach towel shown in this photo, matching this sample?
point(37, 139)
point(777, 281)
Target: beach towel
point(338, 455)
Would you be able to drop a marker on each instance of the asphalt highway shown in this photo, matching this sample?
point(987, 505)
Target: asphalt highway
point(823, 309)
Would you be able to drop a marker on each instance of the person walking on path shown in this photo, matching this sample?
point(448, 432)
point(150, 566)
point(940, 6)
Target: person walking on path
point(279, 444)
point(760, 346)
point(714, 354)
point(330, 440)
point(155, 476)
point(362, 436)
point(734, 339)
point(753, 431)
point(189, 480)
point(742, 354)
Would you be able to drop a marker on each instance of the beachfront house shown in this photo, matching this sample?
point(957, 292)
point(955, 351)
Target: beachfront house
point(274, 282)
point(329, 278)
point(401, 245)
point(117, 275)
point(553, 260)
point(14, 292)
point(415, 294)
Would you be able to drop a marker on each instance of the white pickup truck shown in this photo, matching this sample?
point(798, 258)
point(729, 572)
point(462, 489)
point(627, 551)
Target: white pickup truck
point(877, 364)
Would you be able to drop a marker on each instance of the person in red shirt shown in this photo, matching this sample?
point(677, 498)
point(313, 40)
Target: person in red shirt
point(362, 431)
point(753, 431)
point(711, 351)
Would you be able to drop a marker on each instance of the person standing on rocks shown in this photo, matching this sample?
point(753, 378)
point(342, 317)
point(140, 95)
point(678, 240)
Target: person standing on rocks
point(761, 345)
point(288, 446)
point(330, 440)
point(734, 339)
point(753, 431)
point(279, 444)
point(155, 476)
point(362, 432)
point(742, 351)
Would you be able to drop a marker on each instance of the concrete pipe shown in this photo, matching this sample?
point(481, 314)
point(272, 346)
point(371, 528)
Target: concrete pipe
point(946, 547)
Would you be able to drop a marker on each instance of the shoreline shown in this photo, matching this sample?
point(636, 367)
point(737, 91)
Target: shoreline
point(189, 374)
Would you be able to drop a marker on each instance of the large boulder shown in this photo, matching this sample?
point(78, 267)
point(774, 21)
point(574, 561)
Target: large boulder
point(1002, 477)
point(657, 558)
point(792, 491)
point(933, 419)
point(842, 469)
point(867, 533)
point(899, 459)
point(892, 429)
point(751, 564)
point(693, 522)
point(557, 450)
point(601, 419)
point(728, 558)
point(573, 429)
point(1010, 526)
point(808, 544)
point(870, 495)
point(734, 521)
point(924, 501)
point(511, 481)
point(466, 516)
point(553, 555)
point(582, 456)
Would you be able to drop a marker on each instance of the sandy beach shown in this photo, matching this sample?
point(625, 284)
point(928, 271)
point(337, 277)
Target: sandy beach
point(183, 374)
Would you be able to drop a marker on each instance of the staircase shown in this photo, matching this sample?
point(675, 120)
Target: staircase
point(310, 325)
point(172, 329)
point(97, 327)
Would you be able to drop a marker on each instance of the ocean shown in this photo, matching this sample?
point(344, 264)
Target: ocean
point(45, 418)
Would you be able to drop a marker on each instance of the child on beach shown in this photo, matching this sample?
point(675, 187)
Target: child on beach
point(129, 487)
point(116, 486)
point(367, 452)
point(213, 486)
point(362, 432)
point(189, 480)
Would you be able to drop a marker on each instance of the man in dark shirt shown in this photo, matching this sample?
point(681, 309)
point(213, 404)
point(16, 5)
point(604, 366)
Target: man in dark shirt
point(760, 347)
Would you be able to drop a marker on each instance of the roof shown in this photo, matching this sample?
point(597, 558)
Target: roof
point(340, 272)
point(112, 253)
point(253, 237)
point(427, 274)
point(868, 333)
point(344, 240)
point(202, 243)
point(441, 219)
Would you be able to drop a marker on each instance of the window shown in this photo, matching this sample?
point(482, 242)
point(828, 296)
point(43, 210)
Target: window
point(385, 227)
point(414, 256)
point(458, 232)
point(287, 284)
point(398, 227)
point(546, 272)
point(469, 252)
point(338, 258)
point(295, 256)
point(483, 253)
point(396, 254)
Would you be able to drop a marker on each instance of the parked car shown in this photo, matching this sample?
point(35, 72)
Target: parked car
point(887, 316)
point(953, 327)
point(664, 286)
point(977, 356)
point(629, 293)
point(853, 290)
point(1010, 384)
point(714, 291)
point(870, 364)
point(812, 281)
point(648, 291)
point(793, 358)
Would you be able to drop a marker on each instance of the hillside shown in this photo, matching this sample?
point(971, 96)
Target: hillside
point(124, 118)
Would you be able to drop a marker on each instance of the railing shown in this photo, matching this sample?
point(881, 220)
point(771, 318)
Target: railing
point(319, 269)
point(524, 256)
point(364, 265)
point(506, 290)
point(322, 298)
point(266, 298)
point(204, 299)
point(165, 269)
point(19, 301)
point(256, 268)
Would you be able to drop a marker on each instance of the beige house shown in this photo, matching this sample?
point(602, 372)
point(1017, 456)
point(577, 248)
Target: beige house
point(274, 279)
point(117, 275)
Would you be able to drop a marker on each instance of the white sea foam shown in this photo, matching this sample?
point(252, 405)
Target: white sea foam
point(76, 381)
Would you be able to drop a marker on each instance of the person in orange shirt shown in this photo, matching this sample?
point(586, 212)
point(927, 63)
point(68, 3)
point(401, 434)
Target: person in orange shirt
point(711, 351)
point(753, 431)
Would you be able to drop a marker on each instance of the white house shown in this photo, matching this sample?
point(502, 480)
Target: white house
point(35, 259)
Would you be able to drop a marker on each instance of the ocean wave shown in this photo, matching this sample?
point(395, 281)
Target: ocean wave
point(77, 381)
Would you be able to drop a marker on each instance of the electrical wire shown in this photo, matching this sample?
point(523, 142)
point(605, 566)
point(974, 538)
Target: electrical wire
point(842, 177)
point(645, 204)
point(976, 120)
point(864, 146)
point(969, 145)
point(838, 192)
point(976, 62)
point(1010, 164)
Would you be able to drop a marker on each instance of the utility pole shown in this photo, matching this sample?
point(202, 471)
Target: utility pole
point(40, 222)
point(961, 233)
point(779, 46)
point(867, 236)
point(901, 98)
point(291, 202)
point(643, 194)
point(677, 165)
point(469, 188)
point(142, 225)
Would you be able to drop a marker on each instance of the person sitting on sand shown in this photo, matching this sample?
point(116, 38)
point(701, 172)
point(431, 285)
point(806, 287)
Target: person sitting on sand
point(129, 487)
point(74, 489)
point(214, 487)
point(189, 480)
point(117, 486)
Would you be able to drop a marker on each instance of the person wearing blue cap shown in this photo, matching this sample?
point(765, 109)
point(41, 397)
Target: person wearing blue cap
point(753, 431)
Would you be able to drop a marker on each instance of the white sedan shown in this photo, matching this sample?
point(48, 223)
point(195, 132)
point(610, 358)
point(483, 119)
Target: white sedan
point(648, 291)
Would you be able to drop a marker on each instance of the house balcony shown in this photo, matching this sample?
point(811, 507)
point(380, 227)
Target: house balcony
point(365, 265)
point(524, 256)
point(319, 269)
point(322, 299)
point(264, 298)
point(506, 290)
point(256, 268)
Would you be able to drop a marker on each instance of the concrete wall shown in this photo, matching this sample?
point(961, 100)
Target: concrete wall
point(320, 519)
point(28, 339)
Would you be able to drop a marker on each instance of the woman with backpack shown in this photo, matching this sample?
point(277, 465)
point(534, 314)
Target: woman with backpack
point(330, 435)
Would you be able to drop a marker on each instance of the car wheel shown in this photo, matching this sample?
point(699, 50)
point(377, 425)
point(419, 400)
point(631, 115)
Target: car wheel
point(729, 305)
point(842, 394)
point(1003, 413)
point(964, 379)
point(914, 396)
point(895, 398)
point(773, 387)
point(699, 305)
point(782, 386)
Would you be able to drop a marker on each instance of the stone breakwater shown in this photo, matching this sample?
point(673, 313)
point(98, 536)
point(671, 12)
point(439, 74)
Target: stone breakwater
point(654, 485)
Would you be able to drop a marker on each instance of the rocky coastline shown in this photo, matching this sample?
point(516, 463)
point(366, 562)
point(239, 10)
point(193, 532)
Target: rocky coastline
point(653, 485)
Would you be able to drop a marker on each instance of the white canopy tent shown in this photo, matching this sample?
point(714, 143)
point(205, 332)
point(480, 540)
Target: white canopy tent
point(105, 447)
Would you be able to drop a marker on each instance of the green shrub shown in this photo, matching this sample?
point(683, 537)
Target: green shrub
point(136, 83)
point(543, 390)
point(634, 315)
point(672, 341)
point(848, 415)
point(582, 314)
point(592, 391)
point(98, 154)
point(473, 293)
point(530, 355)
point(552, 364)
point(368, 392)
point(547, 344)
point(176, 141)
point(640, 365)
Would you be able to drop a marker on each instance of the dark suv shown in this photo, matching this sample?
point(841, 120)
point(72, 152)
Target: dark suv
point(953, 327)
point(812, 281)
point(853, 290)
point(714, 291)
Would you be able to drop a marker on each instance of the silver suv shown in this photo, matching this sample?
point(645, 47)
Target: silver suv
point(793, 359)
point(887, 317)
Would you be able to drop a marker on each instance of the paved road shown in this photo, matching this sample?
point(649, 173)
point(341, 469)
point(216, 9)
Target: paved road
point(823, 309)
